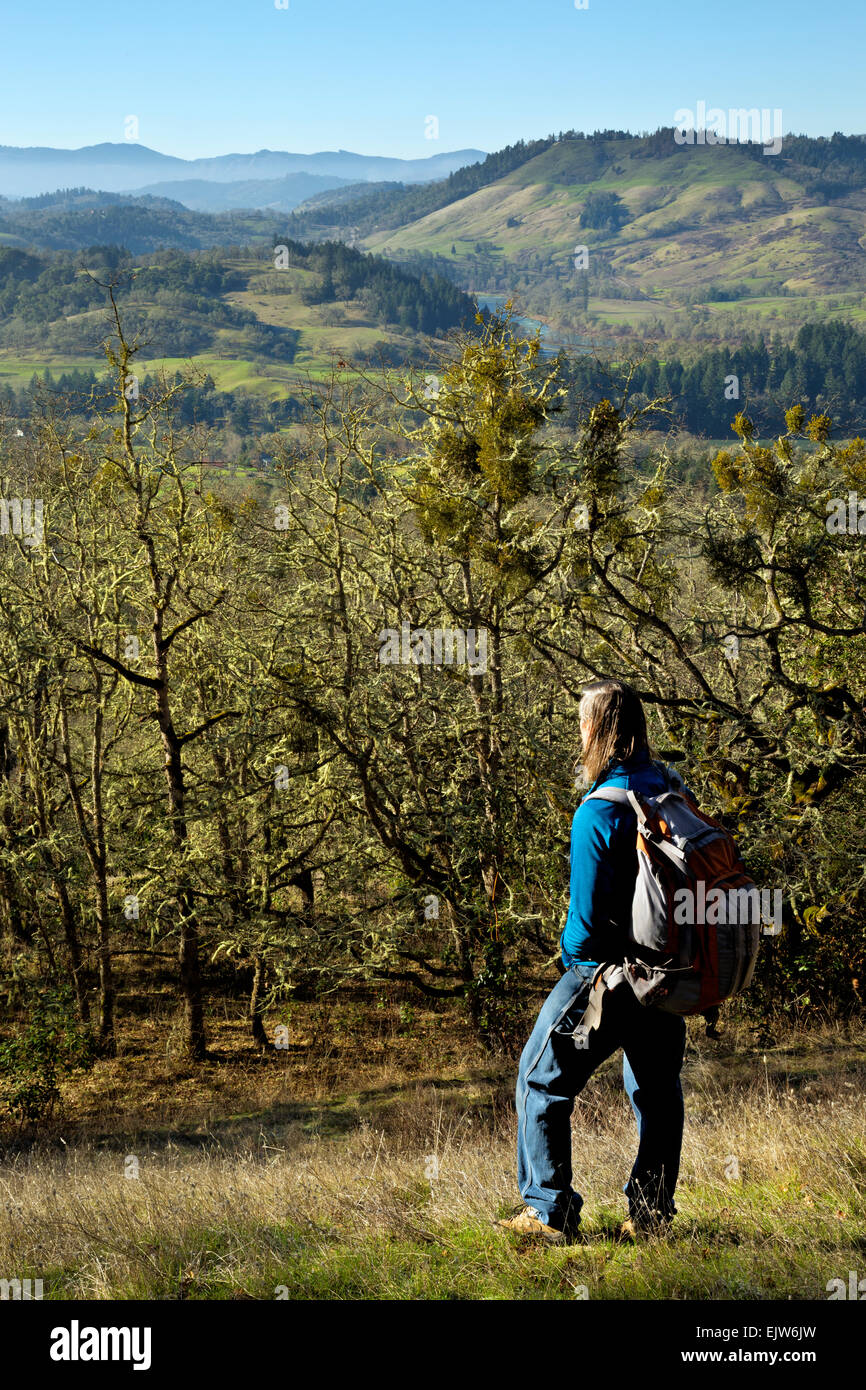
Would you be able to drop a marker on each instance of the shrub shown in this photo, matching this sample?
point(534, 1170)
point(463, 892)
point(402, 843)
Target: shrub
point(52, 1044)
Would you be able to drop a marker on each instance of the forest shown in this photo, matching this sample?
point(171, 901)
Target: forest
point(823, 369)
point(201, 756)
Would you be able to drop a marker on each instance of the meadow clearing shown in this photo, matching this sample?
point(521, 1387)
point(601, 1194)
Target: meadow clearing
point(371, 1167)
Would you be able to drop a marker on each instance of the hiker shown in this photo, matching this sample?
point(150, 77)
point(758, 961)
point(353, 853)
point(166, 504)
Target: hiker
point(557, 1063)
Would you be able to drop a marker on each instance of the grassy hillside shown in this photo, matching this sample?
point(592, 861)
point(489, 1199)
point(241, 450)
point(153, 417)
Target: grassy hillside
point(767, 232)
point(234, 316)
point(369, 1158)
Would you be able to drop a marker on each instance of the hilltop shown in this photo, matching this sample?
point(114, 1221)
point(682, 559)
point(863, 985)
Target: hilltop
point(747, 237)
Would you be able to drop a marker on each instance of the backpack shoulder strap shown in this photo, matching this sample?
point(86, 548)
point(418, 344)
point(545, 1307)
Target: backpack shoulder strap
point(620, 796)
point(628, 798)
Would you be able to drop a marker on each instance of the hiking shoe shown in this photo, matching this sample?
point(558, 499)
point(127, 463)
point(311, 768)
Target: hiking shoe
point(634, 1229)
point(527, 1222)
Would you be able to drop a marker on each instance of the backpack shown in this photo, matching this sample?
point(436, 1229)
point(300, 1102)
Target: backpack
point(696, 915)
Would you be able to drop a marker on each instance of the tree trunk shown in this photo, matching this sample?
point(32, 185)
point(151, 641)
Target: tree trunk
point(256, 1002)
point(12, 918)
point(107, 1040)
point(70, 933)
point(92, 832)
point(190, 972)
point(190, 980)
point(303, 881)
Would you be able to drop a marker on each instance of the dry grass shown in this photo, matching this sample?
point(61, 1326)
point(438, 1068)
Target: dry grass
point(338, 1197)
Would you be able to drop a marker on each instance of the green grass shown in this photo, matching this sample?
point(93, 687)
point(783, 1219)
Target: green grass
point(762, 1250)
point(274, 380)
point(337, 1199)
point(18, 371)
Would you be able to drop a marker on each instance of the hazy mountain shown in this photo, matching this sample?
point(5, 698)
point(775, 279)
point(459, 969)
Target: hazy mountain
point(126, 166)
point(348, 193)
point(277, 195)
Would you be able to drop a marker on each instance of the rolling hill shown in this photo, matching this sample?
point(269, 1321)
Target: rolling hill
point(709, 248)
point(77, 218)
point(235, 316)
point(697, 225)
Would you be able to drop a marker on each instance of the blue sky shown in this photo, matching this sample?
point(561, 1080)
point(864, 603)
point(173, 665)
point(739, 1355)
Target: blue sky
point(209, 77)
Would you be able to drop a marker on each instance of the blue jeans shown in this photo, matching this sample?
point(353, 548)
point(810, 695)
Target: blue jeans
point(553, 1071)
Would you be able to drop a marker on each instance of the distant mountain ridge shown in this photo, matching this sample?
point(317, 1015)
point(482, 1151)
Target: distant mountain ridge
point(126, 166)
point(270, 195)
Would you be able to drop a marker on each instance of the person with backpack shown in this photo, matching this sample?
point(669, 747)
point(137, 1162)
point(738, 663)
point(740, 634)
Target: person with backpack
point(586, 1018)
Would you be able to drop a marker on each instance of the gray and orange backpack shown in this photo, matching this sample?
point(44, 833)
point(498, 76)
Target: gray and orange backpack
point(696, 915)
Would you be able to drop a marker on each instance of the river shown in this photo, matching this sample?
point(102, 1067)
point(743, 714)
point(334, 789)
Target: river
point(551, 342)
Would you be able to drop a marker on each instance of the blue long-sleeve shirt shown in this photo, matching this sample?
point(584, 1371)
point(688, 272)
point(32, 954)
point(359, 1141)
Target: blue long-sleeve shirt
point(604, 865)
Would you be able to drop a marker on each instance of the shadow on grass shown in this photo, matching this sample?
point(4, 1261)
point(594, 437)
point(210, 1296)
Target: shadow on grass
point(480, 1094)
